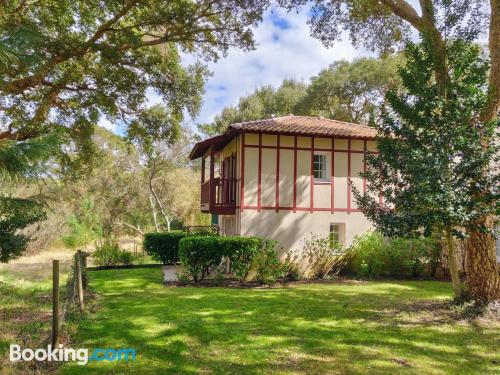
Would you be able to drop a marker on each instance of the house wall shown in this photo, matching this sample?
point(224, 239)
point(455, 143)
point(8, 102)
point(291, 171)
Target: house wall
point(282, 201)
point(278, 173)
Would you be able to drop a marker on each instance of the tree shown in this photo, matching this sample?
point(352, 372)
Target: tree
point(351, 91)
point(21, 161)
point(430, 150)
point(161, 142)
point(384, 24)
point(264, 102)
point(78, 61)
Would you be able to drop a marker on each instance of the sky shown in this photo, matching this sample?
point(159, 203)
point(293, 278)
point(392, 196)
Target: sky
point(284, 49)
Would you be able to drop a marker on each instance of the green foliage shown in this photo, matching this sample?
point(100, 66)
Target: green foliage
point(15, 215)
point(324, 256)
point(199, 255)
point(22, 161)
point(385, 26)
point(351, 91)
point(109, 254)
point(267, 264)
point(241, 251)
point(346, 91)
point(374, 256)
point(85, 226)
point(432, 154)
point(163, 247)
point(265, 102)
point(80, 61)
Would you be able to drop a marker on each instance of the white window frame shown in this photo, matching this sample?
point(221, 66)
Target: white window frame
point(326, 167)
point(341, 233)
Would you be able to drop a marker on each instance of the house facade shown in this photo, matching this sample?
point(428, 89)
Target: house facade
point(284, 178)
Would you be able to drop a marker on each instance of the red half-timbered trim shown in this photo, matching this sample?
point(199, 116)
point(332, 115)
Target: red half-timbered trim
point(364, 168)
point(202, 169)
point(311, 187)
point(332, 186)
point(242, 177)
point(295, 173)
point(212, 181)
point(289, 208)
point(349, 176)
point(259, 177)
point(306, 148)
point(332, 150)
point(278, 174)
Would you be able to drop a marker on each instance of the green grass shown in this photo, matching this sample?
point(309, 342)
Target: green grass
point(399, 327)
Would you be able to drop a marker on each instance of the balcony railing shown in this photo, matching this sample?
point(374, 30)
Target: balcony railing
point(218, 196)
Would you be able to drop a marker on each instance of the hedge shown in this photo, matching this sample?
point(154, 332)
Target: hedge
point(164, 247)
point(374, 256)
point(199, 255)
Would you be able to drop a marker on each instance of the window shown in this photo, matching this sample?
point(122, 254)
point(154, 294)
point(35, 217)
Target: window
point(320, 167)
point(336, 234)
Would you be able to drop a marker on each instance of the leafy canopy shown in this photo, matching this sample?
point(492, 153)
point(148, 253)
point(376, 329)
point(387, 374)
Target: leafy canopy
point(432, 153)
point(78, 61)
point(345, 91)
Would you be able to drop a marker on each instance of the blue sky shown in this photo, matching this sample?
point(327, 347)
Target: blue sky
point(284, 49)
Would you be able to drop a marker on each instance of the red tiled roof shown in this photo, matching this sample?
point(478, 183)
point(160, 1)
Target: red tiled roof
point(306, 125)
point(289, 125)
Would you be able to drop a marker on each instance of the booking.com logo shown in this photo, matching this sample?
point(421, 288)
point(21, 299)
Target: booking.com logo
point(62, 354)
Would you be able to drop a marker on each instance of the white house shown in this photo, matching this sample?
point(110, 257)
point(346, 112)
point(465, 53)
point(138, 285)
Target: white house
point(285, 177)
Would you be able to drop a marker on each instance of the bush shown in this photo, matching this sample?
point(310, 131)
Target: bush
point(324, 257)
point(241, 251)
point(268, 266)
point(163, 247)
point(375, 256)
point(109, 254)
point(199, 255)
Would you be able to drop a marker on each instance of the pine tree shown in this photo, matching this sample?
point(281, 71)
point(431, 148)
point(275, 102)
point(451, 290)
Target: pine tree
point(21, 161)
point(431, 158)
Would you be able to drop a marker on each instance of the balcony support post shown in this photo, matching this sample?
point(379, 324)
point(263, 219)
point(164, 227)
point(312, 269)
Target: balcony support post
point(212, 181)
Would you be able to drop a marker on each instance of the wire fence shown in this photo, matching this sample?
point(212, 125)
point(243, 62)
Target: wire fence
point(74, 296)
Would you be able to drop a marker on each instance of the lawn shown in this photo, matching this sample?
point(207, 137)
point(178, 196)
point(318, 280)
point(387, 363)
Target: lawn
point(25, 304)
point(401, 327)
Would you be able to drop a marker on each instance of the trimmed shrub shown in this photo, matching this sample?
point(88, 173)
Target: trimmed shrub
point(268, 266)
point(163, 247)
point(375, 256)
point(199, 255)
point(109, 254)
point(241, 251)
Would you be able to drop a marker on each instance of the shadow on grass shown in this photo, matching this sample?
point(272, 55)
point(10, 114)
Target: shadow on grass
point(379, 327)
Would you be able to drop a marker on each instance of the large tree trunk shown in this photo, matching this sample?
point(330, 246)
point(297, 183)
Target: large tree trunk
point(453, 263)
point(483, 279)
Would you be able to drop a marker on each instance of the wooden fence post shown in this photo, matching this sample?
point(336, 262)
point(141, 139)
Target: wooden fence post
point(79, 281)
point(55, 303)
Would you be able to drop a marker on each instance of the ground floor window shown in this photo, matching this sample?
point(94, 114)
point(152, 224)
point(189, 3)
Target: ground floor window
point(337, 234)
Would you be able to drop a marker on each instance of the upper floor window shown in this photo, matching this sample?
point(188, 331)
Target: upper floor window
point(320, 167)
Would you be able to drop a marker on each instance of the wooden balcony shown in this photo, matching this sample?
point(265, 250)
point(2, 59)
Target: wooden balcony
point(218, 196)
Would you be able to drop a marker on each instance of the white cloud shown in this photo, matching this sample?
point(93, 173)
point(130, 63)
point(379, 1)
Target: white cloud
point(284, 49)
point(105, 123)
